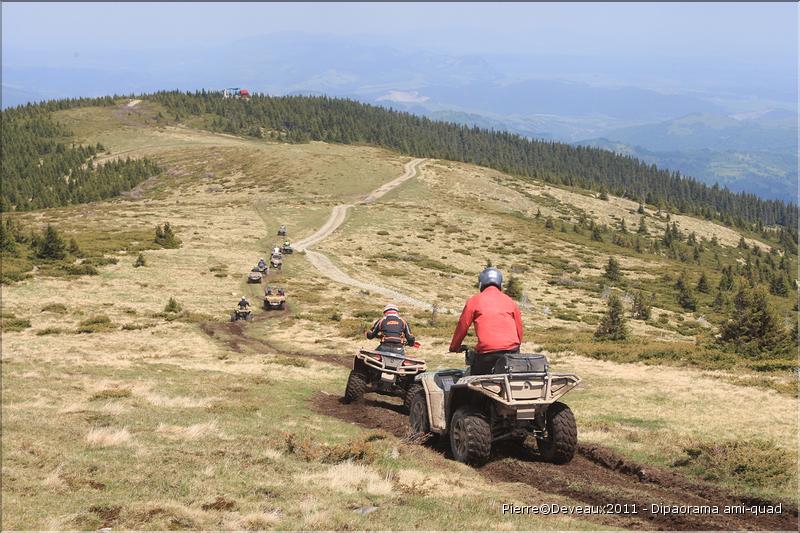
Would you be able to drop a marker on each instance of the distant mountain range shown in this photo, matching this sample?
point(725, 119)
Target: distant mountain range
point(744, 141)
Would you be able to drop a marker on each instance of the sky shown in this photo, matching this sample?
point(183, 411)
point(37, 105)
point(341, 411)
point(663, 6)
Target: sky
point(750, 31)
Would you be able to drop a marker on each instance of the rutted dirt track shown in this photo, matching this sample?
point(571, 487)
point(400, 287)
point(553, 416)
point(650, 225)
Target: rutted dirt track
point(337, 218)
point(596, 476)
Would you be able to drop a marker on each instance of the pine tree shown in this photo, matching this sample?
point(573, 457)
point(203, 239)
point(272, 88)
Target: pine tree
point(742, 244)
point(538, 213)
point(623, 228)
point(702, 283)
point(596, 235)
point(612, 325)
point(720, 301)
point(642, 227)
point(140, 261)
point(513, 289)
point(73, 248)
point(613, 272)
point(726, 281)
point(778, 285)
point(173, 306)
point(166, 238)
point(640, 210)
point(753, 328)
point(641, 309)
point(549, 224)
point(685, 296)
point(8, 245)
point(51, 245)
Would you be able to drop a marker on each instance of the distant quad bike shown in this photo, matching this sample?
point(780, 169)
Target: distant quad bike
point(282, 230)
point(287, 249)
point(241, 314)
point(254, 276)
point(387, 373)
point(518, 400)
point(275, 299)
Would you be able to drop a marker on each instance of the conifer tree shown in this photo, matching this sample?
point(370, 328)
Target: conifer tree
point(513, 287)
point(641, 309)
point(612, 325)
point(51, 245)
point(702, 283)
point(753, 328)
point(642, 227)
point(685, 296)
point(613, 272)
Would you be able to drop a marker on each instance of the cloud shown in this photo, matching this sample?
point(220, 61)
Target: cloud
point(404, 97)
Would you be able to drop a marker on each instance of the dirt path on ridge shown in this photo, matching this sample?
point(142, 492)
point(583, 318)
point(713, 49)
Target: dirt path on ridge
point(339, 214)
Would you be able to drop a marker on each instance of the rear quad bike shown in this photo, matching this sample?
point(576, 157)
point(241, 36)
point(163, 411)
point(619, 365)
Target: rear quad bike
point(387, 373)
point(275, 300)
point(518, 400)
point(254, 276)
point(241, 314)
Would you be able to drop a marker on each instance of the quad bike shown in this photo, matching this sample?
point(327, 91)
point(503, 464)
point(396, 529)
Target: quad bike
point(264, 269)
point(241, 314)
point(287, 249)
point(518, 400)
point(388, 373)
point(276, 261)
point(254, 276)
point(275, 299)
point(282, 230)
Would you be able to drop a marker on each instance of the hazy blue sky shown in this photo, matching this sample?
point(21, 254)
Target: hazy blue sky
point(756, 31)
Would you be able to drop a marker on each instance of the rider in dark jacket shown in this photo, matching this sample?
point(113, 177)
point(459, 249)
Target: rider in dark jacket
point(392, 330)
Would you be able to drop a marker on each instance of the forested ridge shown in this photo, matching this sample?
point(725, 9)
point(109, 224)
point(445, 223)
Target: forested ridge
point(304, 118)
point(42, 167)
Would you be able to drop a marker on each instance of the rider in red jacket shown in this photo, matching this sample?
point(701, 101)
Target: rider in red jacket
point(498, 323)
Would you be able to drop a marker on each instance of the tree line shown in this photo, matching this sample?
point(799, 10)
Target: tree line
point(305, 118)
point(42, 167)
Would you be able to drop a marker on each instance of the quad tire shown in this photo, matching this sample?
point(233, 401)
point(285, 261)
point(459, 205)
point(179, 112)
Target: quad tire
point(357, 384)
point(470, 436)
point(417, 405)
point(562, 431)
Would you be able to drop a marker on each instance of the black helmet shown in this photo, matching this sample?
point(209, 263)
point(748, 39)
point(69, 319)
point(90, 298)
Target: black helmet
point(490, 276)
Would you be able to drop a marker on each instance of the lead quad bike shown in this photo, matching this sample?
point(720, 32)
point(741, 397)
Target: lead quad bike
point(275, 299)
point(518, 400)
point(388, 373)
point(240, 313)
point(282, 230)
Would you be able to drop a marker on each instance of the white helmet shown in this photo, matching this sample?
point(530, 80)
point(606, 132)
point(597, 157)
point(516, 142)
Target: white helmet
point(391, 307)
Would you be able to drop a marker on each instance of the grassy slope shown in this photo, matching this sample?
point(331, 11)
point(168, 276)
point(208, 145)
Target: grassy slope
point(164, 426)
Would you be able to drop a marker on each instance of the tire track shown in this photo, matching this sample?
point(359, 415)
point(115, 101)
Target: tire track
point(339, 214)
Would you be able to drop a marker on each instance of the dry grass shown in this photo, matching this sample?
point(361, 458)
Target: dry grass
point(193, 432)
point(350, 477)
point(106, 437)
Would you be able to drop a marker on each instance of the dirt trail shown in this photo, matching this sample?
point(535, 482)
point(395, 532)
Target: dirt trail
point(339, 214)
point(596, 476)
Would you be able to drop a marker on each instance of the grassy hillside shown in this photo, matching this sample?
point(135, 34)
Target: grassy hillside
point(119, 413)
